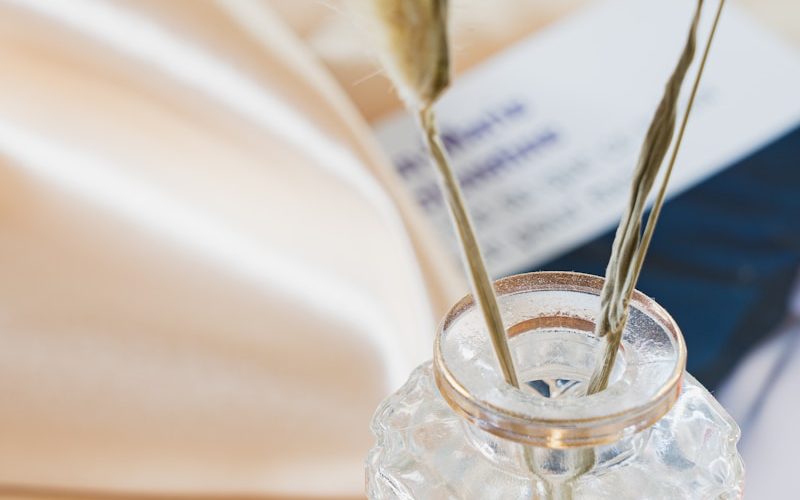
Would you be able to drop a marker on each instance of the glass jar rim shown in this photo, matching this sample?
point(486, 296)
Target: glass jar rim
point(610, 423)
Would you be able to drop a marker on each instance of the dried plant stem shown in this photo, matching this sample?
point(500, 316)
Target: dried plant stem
point(630, 245)
point(416, 54)
point(482, 289)
point(655, 212)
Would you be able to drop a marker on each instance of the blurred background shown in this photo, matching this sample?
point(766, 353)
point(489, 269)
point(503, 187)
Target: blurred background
point(220, 249)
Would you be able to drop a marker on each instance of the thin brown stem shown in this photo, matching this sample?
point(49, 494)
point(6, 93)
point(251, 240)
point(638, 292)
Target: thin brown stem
point(482, 288)
point(630, 244)
point(652, 220)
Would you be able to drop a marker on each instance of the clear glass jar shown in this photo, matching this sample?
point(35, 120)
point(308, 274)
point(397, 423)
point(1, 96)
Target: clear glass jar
point(456, 430)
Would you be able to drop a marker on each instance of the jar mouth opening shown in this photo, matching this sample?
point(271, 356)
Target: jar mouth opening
point(563, 382)
point(550, 323)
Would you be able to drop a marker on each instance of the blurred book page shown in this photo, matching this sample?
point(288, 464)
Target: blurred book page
point(545, 135)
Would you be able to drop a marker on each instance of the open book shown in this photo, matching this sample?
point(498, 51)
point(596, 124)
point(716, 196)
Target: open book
point(214, 258)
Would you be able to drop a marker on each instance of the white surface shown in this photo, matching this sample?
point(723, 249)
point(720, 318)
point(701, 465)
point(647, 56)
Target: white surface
point(762, 396)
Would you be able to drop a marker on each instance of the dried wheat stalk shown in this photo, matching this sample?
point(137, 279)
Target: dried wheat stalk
point(417, 57)
point(630, 244)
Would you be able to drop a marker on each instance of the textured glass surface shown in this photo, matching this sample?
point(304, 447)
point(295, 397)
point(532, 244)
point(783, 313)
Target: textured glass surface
point(424, 450)
point(456, 430)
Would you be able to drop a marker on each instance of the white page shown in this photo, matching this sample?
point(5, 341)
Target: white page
point(545, 135)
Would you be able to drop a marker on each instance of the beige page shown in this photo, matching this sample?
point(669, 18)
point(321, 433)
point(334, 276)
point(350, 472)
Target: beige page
point(209, 275)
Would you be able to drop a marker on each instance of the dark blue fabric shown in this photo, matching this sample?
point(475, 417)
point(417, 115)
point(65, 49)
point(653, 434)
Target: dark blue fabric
point(724, 257)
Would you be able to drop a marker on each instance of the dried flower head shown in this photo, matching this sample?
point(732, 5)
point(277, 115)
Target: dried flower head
point(415, 49)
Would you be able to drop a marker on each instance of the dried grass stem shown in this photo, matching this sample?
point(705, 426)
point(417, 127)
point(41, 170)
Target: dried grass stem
point(630, 244)
point(482, 288)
